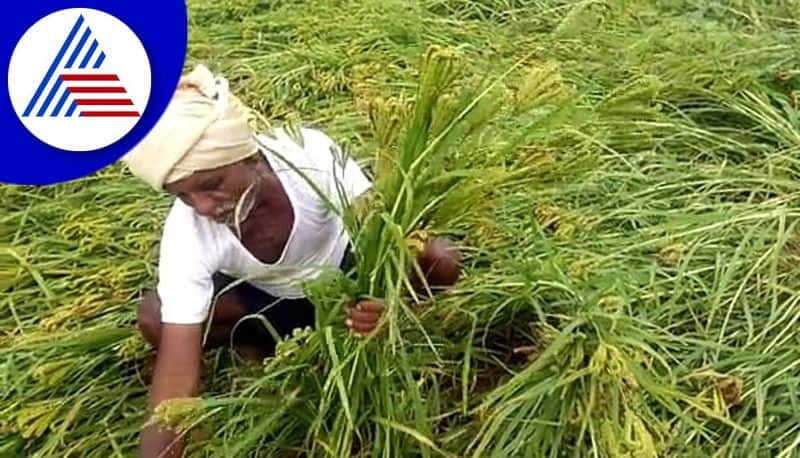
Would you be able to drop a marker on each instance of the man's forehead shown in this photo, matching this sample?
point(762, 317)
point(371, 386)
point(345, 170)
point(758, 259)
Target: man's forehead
point(200, 176)
point(183, 183)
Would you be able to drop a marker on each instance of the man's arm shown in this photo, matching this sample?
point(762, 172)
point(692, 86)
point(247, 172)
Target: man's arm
point(176, 375)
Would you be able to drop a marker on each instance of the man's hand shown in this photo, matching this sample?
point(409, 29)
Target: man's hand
point(363, 318)
point(440, 263)
point(176, 375)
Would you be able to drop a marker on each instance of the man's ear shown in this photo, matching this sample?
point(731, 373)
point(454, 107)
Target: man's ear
point(254, 159)
point(259, 159)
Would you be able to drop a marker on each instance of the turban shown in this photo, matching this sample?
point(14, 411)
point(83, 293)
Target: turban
point(204, 127)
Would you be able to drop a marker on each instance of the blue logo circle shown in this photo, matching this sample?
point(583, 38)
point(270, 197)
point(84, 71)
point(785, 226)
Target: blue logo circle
point(86, 83)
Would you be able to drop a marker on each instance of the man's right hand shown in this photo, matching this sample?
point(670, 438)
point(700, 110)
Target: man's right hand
point(176, 375)
point(363, 318)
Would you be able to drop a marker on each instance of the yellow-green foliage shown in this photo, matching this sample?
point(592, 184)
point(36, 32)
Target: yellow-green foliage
point(622, 178)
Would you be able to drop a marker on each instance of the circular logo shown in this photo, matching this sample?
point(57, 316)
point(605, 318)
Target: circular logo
point(85, 85)
point(79, 79)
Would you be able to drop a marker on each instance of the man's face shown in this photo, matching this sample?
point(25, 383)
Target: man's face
point(215, 193)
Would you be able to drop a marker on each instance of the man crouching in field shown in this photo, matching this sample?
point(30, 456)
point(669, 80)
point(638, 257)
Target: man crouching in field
point(248, 207)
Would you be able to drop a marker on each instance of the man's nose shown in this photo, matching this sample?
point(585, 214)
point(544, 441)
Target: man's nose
point(204, 206)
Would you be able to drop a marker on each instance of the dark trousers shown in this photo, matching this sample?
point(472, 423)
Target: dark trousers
point(284, 315)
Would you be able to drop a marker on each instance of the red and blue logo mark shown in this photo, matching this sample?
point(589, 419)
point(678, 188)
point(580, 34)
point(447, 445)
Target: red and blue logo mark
point(86, 84)
point(88, 98)
point(79, 85)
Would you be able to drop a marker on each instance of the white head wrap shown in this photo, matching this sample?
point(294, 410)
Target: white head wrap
point(204, 127)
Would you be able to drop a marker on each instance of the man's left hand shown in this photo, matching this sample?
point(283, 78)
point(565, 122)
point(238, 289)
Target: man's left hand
point(363, 318)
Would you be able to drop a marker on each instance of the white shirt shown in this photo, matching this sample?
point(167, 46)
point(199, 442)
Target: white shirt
point(193, 247)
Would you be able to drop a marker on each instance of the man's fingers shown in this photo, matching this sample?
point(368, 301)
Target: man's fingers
point(362, 315)
point(360, 327)
point(370, 305)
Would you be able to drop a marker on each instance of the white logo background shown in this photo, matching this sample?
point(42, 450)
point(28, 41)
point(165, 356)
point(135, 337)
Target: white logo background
point(34, 54)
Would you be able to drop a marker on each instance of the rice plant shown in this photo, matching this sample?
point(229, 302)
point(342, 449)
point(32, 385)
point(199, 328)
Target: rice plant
point(620, 177)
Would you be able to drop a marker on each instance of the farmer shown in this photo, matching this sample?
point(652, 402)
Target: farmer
point(253, 208)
